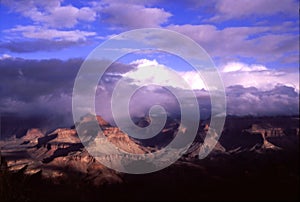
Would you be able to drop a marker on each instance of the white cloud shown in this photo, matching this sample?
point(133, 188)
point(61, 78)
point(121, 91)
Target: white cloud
point(52, 13)
point(259, 76)
point(232, 9)
point(87, 14)
point(5, 56)
point(144, 62)
point(37, 32)
point(126, 15)
point(193, 79)
point(48, 27)
point(238, 66)
point(153, 72)
point(250, 89)
point(263, 43)
point(249, 98)
point(233, 73)
point(63, 16)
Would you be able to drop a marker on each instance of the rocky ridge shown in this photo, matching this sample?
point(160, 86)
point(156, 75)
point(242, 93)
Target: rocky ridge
point(61, 152)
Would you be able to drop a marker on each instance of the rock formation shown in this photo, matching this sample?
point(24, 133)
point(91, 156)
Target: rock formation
point(61, 152)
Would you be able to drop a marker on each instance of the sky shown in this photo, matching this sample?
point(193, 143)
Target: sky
point(253, 43)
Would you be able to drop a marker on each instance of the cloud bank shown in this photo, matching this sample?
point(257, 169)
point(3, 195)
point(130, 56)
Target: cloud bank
point(44, 88)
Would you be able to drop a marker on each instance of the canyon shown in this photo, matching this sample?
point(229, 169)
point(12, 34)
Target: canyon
point(261, 151)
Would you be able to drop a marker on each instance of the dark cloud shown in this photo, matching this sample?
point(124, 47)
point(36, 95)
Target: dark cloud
point(281, 100)
point(241, 101)
point(43, 88)
point(39, 45)
point(37, 89)
point(27, 80)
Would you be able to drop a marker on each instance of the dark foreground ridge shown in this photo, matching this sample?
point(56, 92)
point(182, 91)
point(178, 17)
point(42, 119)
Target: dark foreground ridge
point(255, 159)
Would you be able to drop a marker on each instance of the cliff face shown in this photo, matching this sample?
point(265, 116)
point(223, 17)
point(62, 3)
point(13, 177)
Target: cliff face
point(274, 137)
point(262, 133)
point(59, 154)
point(32, 135)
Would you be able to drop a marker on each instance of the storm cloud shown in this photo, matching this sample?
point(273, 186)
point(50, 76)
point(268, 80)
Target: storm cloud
point(44, 88)
point(38, 45)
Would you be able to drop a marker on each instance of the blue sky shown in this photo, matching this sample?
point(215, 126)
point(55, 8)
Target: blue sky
point(261, 32)
point(254, 44)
